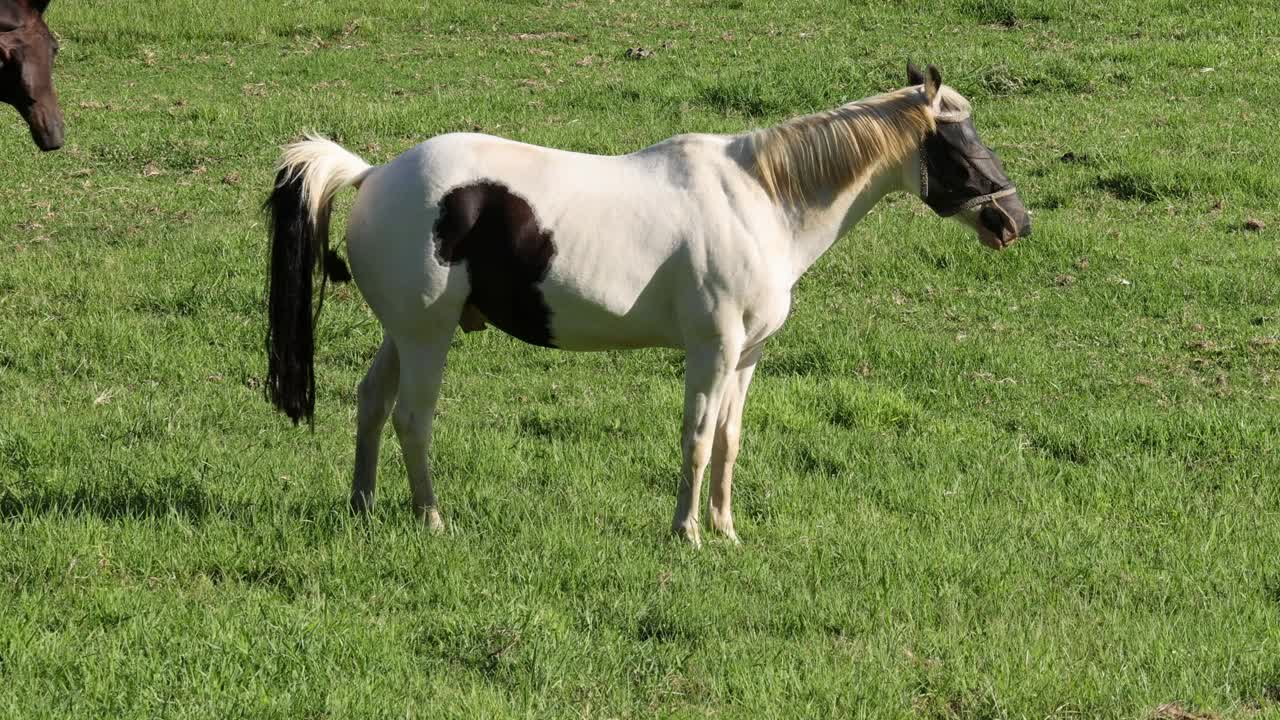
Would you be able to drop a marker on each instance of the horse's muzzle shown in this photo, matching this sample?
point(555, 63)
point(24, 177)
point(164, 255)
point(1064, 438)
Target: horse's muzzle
point(46, 124)
point(1002, 222)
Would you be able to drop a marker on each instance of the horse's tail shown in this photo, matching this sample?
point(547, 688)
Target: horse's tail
point(311, 172)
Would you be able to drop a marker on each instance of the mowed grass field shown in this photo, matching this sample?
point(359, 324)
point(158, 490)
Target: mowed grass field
point(1039, 483)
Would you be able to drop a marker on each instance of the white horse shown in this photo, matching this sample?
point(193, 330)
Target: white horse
point(693, 243)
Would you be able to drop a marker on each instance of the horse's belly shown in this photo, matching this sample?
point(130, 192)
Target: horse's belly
point(579, 322)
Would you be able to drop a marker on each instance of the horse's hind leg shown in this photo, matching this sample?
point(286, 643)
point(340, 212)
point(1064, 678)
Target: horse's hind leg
point(377, 395)
point(422, 363)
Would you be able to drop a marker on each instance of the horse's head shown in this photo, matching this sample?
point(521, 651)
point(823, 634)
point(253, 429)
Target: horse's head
point(27, 48)
point(960, 176)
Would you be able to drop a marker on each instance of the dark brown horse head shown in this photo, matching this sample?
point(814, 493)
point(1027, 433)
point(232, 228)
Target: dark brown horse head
point(27, 48)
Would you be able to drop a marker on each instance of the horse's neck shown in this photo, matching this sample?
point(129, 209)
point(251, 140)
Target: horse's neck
point(816, 229)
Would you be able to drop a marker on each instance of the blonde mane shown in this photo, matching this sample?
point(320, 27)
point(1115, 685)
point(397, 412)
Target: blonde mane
point(832, 150)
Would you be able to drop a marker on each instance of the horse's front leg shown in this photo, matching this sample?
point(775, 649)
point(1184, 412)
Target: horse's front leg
point(709, 369)
point(724, 452)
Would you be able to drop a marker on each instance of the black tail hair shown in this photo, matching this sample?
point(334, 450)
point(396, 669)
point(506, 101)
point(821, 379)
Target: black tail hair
point(291, 380)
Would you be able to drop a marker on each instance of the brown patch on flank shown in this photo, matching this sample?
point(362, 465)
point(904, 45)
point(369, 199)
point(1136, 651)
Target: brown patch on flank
point(507, 254)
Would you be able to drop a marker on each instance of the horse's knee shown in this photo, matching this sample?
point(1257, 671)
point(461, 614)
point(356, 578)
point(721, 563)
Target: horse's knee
point(697, 447)
point(730, 437)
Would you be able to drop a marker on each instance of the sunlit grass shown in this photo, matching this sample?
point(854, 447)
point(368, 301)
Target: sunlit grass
point(1039, 483)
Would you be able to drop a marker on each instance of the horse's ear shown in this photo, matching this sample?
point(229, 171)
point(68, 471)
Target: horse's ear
point(932, 85)
point(914, 76)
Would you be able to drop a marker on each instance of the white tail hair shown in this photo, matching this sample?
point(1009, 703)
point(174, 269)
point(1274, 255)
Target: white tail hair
point(325, 168)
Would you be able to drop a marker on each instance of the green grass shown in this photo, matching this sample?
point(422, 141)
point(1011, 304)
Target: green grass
point(1034, 484)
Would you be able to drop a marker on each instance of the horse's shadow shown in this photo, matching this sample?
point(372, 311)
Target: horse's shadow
point(106, 503)
point(185, 502)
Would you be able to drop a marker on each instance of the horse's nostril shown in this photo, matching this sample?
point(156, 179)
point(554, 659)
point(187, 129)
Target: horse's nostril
point(49, 141)
point(993, 220)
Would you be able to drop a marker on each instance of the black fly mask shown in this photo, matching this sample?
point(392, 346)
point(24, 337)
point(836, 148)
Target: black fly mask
point(957, 171)
point(959, 175)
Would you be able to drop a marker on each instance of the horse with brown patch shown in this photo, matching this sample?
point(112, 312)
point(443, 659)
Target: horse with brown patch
point(27, 49)
point(693, 243)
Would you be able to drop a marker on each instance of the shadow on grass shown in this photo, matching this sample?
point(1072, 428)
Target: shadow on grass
point(107, 501)
point(184, 500)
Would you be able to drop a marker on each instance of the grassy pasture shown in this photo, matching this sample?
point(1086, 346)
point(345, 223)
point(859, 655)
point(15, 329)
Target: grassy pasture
point(1040, 483)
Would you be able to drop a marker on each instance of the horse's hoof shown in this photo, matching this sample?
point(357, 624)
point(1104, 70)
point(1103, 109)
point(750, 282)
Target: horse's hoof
point(688, 533)
point(431, 518)
point(361, 504)
point(725, 529)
